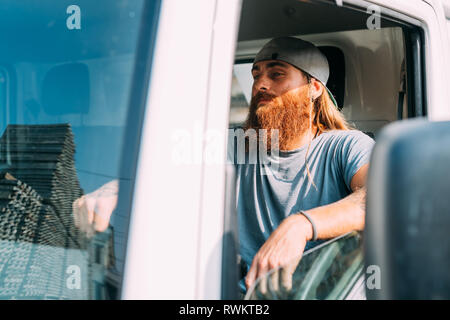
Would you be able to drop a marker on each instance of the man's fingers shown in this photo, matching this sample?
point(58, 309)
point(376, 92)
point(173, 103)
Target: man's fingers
point(262, 283)
point(83, 211)
point(104, 208)
point(258, 272)
point(80, 213)
point(90, 208)
point(257, 268)
point(287, 273)
point(92, 211)
point(101, 224)
point(251, 275)
point(274, 280)
point(102, 215)
point(286, 279)
point(76, 213)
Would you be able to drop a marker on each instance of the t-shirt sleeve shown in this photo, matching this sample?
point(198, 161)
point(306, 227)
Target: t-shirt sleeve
point(356, 148)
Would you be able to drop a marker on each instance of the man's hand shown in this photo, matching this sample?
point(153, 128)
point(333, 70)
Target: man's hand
point(284, 248)
point(92, 211)
point(285, 245)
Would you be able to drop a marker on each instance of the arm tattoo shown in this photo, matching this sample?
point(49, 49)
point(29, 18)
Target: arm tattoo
point(107, 192)
point(359, 197)
point(109, 189)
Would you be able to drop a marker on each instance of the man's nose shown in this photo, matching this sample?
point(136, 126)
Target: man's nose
point(261, 84)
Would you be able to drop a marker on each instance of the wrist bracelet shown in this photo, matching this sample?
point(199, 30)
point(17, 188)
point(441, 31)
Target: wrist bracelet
point(314, 235)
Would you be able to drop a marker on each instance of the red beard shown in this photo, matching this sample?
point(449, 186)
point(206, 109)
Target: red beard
point(288, 113)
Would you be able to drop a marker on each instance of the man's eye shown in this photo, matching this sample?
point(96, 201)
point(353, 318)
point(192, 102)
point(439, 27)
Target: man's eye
point(276, 75)
point(256, 76)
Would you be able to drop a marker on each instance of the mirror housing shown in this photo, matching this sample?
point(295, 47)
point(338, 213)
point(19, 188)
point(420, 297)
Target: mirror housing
point(408, 212)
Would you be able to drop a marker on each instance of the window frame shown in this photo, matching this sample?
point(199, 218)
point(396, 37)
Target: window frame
point(345, 288)
point(140, 85)
point(414, 32)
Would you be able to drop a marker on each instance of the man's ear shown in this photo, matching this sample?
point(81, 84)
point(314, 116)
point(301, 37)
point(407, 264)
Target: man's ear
point(316, 88)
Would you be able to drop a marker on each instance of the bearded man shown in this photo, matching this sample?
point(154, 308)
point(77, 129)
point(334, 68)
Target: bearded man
point(317, 190)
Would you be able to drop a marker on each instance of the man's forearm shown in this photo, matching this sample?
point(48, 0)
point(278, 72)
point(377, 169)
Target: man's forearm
point(340, 217)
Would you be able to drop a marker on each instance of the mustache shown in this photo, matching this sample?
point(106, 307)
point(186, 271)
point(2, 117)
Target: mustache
point(262, 96)
point(288, 113)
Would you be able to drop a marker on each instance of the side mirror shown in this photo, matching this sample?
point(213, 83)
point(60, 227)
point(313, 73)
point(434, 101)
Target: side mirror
point(408, 212)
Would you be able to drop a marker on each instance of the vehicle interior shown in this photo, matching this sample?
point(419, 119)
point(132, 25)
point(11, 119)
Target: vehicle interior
point(367, 73)
point(375, 77)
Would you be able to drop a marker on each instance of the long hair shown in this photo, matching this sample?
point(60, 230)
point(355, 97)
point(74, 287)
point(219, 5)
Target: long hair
point(325, 116)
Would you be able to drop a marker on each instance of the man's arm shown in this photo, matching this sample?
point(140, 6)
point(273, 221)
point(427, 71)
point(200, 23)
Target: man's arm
point(288, 241)
point(342, 216)
point(93, 211)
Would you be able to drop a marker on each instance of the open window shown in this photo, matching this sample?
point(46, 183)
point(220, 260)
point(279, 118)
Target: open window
point(376, 75)
point(330, 271)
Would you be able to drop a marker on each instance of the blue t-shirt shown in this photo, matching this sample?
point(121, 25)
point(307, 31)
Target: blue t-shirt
point(268, 193)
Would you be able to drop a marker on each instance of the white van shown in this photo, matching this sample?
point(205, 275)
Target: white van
point(143, 93)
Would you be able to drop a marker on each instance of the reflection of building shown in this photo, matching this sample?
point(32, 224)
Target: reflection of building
point(39, 240)
point(101, 259)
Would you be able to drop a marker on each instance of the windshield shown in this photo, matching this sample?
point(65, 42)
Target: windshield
point(66, 74)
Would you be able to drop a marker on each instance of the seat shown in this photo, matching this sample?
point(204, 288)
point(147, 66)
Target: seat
point(336, 80)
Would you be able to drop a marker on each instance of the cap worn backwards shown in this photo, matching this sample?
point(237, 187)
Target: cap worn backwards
point(301, 54)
